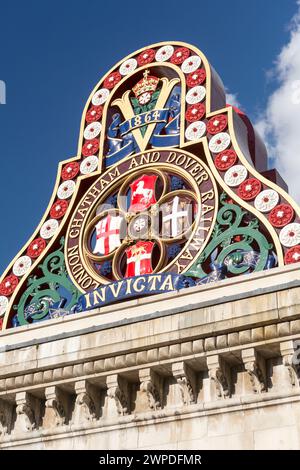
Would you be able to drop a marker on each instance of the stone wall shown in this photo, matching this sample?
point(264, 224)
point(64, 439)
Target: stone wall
point(210, 367)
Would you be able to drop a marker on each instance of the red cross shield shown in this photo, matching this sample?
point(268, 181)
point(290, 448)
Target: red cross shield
point(176, 217)
point(139, 259)
point(142, 193)
point(107, 234)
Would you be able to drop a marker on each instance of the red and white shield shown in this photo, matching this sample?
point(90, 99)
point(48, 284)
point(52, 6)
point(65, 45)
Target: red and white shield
point(142, 193)
point(176, 217)
point(107, 234)
point(139, 259)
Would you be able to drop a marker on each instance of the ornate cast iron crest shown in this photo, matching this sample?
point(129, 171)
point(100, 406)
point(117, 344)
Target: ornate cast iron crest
point(169, 188)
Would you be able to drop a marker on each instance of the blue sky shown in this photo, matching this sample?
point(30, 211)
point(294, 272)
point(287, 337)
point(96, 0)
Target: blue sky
point(52, 53)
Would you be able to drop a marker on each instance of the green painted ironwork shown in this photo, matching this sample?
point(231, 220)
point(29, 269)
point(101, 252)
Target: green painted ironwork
point(236, 232)
point(43, 292)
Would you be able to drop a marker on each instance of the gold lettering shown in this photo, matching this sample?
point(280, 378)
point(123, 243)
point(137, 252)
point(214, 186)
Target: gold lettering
point(74, 233)
point(81, 277)
point(179, 266)
point(133, 163)
point(205, 209)
point(196, 243)
point(155, 157)
point(187, 255)
point(82, 211)
point(115, 174)
point(115, 289)
point(145, 158)
point(103, 183)
point(136, 284)
point(171, 157)
point(74, 260)
point(94, 192)
point(77, 268)
point(189, 162)
point(208, 195)
point(86, 201)
point(202, 177)
point(167, 284)
point(206, 219)
point(73, 250)
point(194, 171)
point(87, 282)
point(76, 223)
point(99, 295)
point(180, 159)
point(128, 290)
point(152, 281)
point(87, 300)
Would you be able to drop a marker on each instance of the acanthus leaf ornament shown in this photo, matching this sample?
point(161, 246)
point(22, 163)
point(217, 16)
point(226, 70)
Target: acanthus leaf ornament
point(159, 113)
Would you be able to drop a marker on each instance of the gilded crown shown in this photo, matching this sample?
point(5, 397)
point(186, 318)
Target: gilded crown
point(148, 83)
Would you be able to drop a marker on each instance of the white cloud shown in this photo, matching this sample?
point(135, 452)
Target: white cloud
point(231, 98)
point(279, 124)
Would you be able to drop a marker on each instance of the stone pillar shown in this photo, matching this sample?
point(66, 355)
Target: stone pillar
point(25, 418)
point(55, 412)
point(185, 390)
point(219, 374)
point(256, 368)
point(85, 410)
point(290, 352)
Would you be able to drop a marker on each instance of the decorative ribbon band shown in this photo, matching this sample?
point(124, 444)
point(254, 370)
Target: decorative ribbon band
point(140, 120)
point(133, 287)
